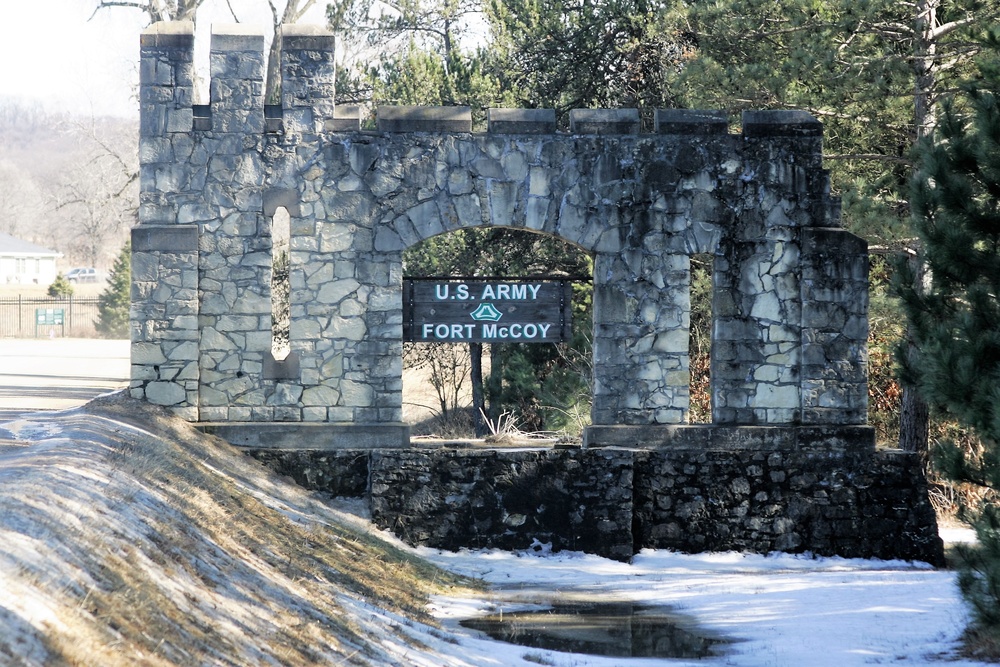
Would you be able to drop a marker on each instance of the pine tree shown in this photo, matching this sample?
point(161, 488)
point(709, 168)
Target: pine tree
point(113, 304)
point(60, 287)
point(955, 314)
point(873, 73)
point(568, 54)
point(413, 54)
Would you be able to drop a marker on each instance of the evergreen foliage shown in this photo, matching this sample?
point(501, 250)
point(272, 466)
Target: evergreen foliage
point(862, 68)
point(568, 54)
point(955, 314)
point(956, 318)
point(113, 303)
point(60, 287)
point(420, 59)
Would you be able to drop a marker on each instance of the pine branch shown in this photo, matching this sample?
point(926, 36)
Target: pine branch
point(875, 157)
point(950, 27)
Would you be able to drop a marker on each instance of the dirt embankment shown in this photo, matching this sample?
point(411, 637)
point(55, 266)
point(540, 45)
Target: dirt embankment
point(129, 538)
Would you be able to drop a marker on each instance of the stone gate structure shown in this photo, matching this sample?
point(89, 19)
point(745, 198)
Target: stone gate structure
point(788, 462)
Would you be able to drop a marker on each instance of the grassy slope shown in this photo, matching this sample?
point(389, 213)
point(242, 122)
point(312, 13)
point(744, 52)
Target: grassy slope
point(128, 538)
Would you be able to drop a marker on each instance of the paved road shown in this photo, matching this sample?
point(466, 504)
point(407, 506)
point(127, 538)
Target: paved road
point(59, 373)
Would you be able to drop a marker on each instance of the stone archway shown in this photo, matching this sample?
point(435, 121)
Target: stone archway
point(460, 270)
point(790, 300)
point(788, 462)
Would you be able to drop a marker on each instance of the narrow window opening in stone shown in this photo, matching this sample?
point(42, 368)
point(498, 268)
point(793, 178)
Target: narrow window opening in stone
point(280, 284)
point(202, 71)
point(700, 342)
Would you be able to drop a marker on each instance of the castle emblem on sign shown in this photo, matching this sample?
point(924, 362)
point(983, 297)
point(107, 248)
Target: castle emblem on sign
point(486, 312)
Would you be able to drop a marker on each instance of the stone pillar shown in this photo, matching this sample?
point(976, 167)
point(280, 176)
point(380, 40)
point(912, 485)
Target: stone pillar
point(755, 342)
point(641, 328)
point(164, 310)
point(166, 92)
point(757, 351)
point(347, 321)
point(308, 74)
point(834, 327)
point(235, 267)
point(236, 64)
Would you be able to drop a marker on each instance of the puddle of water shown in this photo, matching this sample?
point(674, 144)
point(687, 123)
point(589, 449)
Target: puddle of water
point(616, 629)
point(25, 429)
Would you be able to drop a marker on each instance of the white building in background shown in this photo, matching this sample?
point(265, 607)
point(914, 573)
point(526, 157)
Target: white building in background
point(24, 263)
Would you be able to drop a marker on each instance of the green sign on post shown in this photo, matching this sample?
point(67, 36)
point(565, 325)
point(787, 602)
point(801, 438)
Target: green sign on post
point(48, 317)
point(476, 310)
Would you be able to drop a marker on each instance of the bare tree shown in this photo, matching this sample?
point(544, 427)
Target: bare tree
point(293, 13)
point(95, 197)
point(20, 199)
point(447, 367)
point(157, 10)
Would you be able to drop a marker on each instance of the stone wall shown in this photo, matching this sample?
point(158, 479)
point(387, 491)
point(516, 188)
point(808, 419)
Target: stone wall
point(752, 492)
point(506, 499)
point(867, 506)
point(787, 464)
point(334, 472)
point(790, 299)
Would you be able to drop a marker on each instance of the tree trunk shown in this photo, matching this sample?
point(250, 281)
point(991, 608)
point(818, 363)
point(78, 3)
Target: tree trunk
point(495, 386)
point(913, 422)
point(272, 93)
point(914, 414)
point(478, 395)
point(292, 13)
point(914, 419)
point(924, 65)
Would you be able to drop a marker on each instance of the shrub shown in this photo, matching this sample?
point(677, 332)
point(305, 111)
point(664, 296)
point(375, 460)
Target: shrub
point(61, 288)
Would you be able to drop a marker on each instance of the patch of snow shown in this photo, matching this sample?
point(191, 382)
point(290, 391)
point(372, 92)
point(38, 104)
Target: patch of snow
point(781, 609)
point(26, 430)
point(957, 535)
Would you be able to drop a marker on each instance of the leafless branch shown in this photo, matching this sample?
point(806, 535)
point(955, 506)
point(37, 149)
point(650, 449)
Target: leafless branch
point(104, 4)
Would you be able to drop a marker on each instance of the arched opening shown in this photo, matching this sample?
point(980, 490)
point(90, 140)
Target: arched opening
point(476, 388)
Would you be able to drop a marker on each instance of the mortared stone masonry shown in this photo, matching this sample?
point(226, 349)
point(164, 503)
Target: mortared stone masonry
point(788, 462)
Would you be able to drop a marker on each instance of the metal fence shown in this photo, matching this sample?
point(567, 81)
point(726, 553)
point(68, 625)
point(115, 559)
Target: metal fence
point(41, 317)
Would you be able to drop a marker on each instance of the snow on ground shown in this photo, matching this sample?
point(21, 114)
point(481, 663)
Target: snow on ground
point(780, 610)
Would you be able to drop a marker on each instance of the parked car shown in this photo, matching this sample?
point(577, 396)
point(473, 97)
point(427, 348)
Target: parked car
point(81, 275)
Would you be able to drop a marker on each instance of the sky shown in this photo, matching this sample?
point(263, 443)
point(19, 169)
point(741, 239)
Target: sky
point(58, 53)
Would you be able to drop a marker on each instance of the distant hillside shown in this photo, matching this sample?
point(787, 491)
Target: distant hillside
point(129, 538)
point(66, 182)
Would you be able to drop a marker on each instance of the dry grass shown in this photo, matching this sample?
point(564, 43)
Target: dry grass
point(981, 645)
point(38, 291)
point(135, 540)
